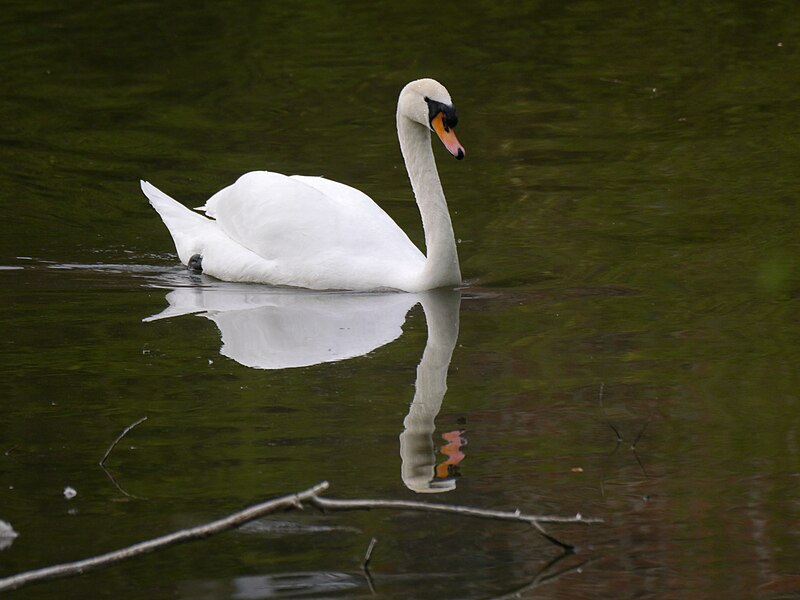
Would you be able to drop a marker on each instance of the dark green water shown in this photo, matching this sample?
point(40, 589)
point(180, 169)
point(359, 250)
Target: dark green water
point(628, 225)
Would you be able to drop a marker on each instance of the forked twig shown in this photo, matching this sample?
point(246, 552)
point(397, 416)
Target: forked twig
point(365, 565)
point(464, 511)
point(544, 576)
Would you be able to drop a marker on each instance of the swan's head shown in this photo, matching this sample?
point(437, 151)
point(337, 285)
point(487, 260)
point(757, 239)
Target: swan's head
point(427, 102)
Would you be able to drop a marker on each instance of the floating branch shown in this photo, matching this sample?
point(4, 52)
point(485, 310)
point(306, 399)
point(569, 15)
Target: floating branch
point(453, 509)
point(464, 511)
point(292, 501)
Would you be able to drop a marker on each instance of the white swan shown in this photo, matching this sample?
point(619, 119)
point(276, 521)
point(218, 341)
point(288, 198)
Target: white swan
point(315, 233)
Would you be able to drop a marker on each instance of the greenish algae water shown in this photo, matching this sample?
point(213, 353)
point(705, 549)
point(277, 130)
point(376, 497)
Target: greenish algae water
point(628, 226)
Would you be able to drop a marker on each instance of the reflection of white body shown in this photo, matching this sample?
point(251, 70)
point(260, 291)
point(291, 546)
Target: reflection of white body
point(277, 329)
point(315, 233)
point(268, 328)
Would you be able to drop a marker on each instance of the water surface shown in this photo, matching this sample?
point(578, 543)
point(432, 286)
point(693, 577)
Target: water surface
point(626, 345)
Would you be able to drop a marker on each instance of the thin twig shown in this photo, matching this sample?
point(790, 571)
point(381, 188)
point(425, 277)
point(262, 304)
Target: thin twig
point(368, 555)
point(116, 484)
point(184, 535)
point(603, 409)
point(370, 582)
point(544, 576)
point(569, 549)
point(641, 432)
point(121, 435)
point(641, 464)
point(465, 511)
point(365, 565)
point(616, 431)
point(633, 448)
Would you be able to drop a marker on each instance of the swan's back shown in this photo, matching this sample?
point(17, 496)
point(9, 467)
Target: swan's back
point(313, 232)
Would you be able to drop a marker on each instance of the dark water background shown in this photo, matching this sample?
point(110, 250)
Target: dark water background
point(628, 225)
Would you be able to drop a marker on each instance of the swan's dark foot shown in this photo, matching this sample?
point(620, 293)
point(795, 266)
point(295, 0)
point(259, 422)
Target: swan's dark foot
point(195, 264)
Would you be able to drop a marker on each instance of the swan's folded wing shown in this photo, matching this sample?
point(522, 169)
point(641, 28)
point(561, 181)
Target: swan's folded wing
point(308, 220)
point(195, 234)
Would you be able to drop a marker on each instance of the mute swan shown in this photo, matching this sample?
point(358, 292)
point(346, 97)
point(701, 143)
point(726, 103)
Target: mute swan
point(315, 233)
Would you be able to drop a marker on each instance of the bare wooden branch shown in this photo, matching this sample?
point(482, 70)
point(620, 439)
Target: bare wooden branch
point(116, 441)
point(184, 535)
point(464, 511)
point(292, 501)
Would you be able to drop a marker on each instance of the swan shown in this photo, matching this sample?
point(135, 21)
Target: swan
point(315, 233)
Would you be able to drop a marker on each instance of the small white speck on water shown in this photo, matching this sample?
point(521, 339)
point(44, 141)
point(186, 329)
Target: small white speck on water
point(70, 492)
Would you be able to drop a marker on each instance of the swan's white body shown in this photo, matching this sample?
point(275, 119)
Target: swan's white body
point(315, 233)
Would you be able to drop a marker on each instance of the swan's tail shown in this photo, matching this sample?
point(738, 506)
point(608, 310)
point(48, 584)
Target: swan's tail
point(188, 229)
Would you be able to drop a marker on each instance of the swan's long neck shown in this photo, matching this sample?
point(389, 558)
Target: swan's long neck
point(441, 266)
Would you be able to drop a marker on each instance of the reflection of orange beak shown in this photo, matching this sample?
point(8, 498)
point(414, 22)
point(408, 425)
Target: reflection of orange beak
point(448, 137)
point(452, 450)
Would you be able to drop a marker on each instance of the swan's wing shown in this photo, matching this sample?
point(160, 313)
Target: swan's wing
point(308, 220)
point(195, 234)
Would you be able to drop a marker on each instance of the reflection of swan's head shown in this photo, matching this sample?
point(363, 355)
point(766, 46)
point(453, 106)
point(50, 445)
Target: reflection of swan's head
point(427, 102)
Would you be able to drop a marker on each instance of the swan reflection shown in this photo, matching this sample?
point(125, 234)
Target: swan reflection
point(269, 328)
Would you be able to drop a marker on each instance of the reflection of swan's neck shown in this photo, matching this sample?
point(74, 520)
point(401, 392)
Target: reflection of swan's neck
point(441, 267)
point(416, 442)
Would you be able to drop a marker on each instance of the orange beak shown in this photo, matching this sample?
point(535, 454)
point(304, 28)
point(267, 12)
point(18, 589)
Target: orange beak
point(448, 137)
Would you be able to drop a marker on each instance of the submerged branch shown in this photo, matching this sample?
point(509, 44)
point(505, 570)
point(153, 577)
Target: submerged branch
point(292, 501)
point(184, 535)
